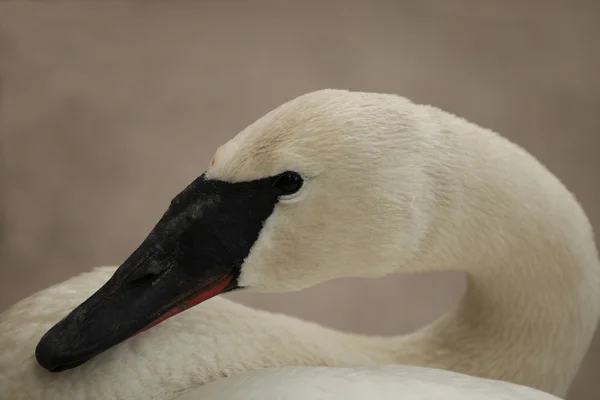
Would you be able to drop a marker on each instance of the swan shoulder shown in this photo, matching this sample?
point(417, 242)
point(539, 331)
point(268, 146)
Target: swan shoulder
point(116, 371)
point(214, 338)
point(377, 382)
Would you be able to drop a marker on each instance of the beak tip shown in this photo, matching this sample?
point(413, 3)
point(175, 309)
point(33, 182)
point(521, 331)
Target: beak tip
point(45, 354)
point(51, 355)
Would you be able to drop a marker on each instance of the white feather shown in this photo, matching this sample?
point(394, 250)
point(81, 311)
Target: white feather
point(391, 187)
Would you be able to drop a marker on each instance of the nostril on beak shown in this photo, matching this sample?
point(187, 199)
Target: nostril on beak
point(142, 279)
point(146, 276)
point(147, 273)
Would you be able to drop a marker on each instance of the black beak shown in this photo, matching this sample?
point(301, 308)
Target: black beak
point(194, 252)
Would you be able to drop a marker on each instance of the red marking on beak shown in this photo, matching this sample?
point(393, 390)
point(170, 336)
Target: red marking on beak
point(197, 298)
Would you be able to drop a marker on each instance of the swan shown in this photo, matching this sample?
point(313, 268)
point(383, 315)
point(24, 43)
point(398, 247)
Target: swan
point(331, 184)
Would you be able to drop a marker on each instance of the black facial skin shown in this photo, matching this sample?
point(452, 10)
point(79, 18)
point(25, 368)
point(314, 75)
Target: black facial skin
point(194, 252)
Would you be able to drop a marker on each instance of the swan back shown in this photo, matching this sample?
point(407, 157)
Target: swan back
point(210, 341)
point(377, 383)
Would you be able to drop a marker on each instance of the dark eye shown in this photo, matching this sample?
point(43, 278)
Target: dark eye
point(287, 183)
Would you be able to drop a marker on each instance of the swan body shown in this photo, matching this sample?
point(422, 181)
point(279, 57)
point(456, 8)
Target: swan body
point(388, 186)
point(388, 382)
point(214, 339)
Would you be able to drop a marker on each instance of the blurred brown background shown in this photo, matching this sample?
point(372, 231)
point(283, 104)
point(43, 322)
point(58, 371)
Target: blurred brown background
point(109, 108)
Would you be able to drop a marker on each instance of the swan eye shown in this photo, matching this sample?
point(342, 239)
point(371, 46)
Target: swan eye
point(287, 183)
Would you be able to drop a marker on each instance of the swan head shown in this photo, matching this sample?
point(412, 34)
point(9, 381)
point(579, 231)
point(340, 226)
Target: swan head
point(360, 206)
point(331, 184)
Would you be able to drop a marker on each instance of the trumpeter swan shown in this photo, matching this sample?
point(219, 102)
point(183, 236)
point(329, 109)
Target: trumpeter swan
point(331, 184)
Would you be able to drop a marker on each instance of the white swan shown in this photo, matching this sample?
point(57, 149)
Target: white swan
point(388, 186)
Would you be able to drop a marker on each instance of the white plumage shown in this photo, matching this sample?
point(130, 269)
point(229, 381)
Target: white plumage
point(391, 382)
point(390, 187)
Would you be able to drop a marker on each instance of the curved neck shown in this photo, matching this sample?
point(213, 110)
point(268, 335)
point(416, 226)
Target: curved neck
point(533, 298)
point(524, 331)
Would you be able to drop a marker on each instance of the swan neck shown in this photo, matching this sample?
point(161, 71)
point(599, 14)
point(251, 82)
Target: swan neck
point(532, 301)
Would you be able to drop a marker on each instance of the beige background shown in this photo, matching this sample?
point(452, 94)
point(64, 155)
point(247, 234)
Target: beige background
point(109, 108)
